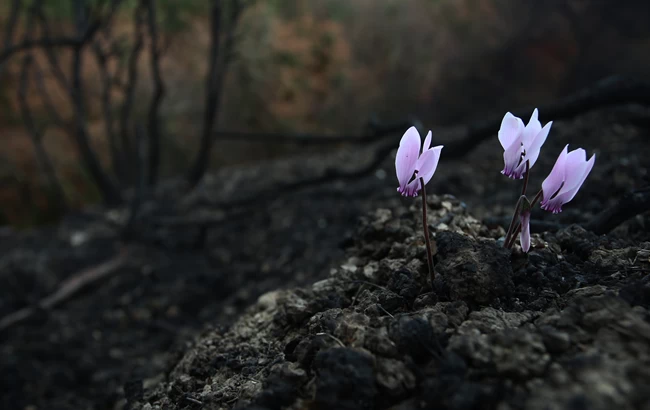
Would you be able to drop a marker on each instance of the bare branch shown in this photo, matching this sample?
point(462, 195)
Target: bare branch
point(158, 94)
point(11, 23)
point(216, 73)
point(47, 41)
point(129, 88)
point(106, 186)
point(35, 132)
point(140, 190)
point(117, 156)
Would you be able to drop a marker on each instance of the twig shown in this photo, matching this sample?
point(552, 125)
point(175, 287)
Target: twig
point(337, 340)
point(192, 399)
point(68, 288)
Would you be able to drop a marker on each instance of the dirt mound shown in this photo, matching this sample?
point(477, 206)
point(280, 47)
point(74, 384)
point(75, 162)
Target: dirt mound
point(563, 327)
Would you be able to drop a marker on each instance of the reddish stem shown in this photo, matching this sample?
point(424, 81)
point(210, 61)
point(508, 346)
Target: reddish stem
point(426, 233)
point(512, 221)
point(513, 238)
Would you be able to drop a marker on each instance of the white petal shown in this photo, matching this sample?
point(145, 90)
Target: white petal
point(427, 142)
point(555, 178)
point(510, 131)
point(428, 163)
point(569, 195)
point(407, 156)
point(532, 152)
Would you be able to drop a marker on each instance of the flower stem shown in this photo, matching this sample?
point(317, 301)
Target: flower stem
point(536, 198)
point(508, 245)
point(525, 187)
point(425, 224)
point(513, 221)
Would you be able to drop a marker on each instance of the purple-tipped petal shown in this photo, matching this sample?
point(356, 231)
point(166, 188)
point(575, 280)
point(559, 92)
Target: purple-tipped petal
point(524, 238)
point(428, 163)
point(427, 142)
point(412, 188)
point(511, 158)
point(510, 137)
point(407, 156)
point(510, 131)
point(555, 178)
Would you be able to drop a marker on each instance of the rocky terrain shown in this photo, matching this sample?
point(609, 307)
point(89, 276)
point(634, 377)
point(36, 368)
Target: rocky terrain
point(303, 284)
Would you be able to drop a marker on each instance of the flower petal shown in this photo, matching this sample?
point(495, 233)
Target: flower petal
point(407, 156)
point(555, 178)
point(412, 188)
point(511, 158)
point(532, 152)
point(568, 195)
point(428, 163)
point(532, 129)
point(510, 131)
point(576, 161)
point(427, 142)
point(524, 237)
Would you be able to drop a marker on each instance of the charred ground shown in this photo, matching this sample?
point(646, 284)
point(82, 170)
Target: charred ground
point(345, 318)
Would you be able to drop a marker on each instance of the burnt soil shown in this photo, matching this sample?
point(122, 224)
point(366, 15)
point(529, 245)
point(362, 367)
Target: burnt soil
point(287, 285)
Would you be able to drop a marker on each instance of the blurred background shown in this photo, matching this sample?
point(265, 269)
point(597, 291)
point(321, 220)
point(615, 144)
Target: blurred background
point(100, 96)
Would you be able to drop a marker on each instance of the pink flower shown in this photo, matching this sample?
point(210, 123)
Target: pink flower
point(566, 178)
point(524, 238)
point(411, 164)
point(521, 143)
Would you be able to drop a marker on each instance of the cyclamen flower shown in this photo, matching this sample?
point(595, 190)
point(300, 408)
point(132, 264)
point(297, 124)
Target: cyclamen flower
point(411, 164)
point(521, 143)
point(566, 178)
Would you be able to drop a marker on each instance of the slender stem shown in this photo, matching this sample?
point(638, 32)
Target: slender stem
point(523, 190)
point(425, 224)
point(516, 231)
point(513, 220)
point(536, 198)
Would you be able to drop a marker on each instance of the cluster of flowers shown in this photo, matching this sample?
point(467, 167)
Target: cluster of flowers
point(415, 165)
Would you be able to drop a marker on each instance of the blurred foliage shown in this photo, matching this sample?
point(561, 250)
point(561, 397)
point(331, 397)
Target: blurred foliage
point(173, 16)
